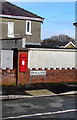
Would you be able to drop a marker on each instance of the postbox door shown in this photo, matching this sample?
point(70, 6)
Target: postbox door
point(23, 62)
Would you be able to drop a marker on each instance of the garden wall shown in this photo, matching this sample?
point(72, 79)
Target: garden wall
point(51, 68)
point(7, 76)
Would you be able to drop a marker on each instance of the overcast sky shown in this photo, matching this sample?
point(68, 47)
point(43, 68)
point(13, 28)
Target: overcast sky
point(59, 16)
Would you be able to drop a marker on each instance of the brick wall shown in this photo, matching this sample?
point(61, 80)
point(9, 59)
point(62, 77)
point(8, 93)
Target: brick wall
point(65, 75)
point(7, 76)
point(14, 76)
point(22, 77)
point(52, 75)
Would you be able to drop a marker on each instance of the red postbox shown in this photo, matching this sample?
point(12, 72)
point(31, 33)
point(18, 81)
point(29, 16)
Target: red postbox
point(23, 62)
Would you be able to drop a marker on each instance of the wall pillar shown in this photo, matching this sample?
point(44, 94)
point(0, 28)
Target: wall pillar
point(22, 77)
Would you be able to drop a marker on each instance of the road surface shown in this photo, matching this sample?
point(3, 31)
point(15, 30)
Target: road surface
point(40, 107)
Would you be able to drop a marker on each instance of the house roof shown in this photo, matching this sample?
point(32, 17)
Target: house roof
point(11, 10)
point(69, 44)
point(57, 44)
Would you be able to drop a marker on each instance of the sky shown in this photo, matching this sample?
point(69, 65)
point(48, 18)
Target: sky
point(59, 16)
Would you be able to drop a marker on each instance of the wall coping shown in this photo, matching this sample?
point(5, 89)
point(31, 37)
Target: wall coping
point(52, 69)
point(47, 49)
point(9, 70)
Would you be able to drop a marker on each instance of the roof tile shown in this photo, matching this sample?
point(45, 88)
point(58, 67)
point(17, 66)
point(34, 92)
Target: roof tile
point(11, 9)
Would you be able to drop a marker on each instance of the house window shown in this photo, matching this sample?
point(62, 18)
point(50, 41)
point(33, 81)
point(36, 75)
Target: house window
point(28, 27)
point(10, 29)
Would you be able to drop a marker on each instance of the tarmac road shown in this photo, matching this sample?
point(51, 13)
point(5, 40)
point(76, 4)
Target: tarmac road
point(40, 107)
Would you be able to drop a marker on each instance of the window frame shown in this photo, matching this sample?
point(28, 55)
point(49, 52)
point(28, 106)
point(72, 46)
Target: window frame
point(11, 24)
point(28, 24)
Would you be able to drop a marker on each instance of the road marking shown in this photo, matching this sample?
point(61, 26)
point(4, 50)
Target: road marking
point(40, 114)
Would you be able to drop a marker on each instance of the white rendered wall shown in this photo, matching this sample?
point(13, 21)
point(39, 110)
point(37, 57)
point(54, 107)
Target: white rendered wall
point(51, 58)
point(7, 59)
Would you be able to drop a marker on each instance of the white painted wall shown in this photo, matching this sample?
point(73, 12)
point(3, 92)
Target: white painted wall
point(51, 58)
point(7, 59)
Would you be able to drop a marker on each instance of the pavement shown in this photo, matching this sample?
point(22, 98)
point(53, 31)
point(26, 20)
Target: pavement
point(13, 97)
point(18, 92)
